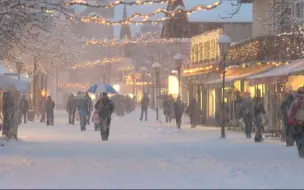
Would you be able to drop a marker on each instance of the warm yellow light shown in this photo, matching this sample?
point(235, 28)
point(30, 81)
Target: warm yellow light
point(43, 93)
point(173, 86)
point(131, 95)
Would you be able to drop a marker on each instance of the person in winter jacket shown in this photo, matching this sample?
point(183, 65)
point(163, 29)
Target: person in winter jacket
point(296, 120)
point(179, 110)
point(42, 109)
point(193, 112)
point(83, 107)
point(24, 107)
point(105, 108)
point(144, 107)
point(71, 108)
point(167, 108)
point(288, 130)
point(246, 112)
point(49, 109)
point(258, 111)
point(90, 107)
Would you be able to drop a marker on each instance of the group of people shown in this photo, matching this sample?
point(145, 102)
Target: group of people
point(123, 104)
point(83, 104)
point(47, 106)
point(172, 109)
point(292, 111)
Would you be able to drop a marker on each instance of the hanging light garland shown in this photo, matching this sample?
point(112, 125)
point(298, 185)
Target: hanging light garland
point(126, 41)
point(97, 62)
point(117, 2)
point(147, 38)
point(146, 17)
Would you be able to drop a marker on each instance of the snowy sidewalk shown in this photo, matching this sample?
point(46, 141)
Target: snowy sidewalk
point(144, 155)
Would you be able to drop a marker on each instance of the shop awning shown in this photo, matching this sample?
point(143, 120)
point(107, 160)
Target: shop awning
point(238, 74)
point(278, 75)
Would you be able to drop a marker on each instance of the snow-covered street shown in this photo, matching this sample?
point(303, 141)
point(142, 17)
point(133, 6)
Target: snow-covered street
point(144, 155)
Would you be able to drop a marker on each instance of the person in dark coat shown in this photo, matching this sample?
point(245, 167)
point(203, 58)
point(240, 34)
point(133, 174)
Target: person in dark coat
point(179, 110)
point(83, 106)
point(167, 108)
point(105, 108)
point(90, 107)
point(193, 112)
point(49, 109)
point(289, 133)
point(144, 107)
point(258, 111)
point(246, 112)
point(296, 120)
point(71, 108)
point(24, 107)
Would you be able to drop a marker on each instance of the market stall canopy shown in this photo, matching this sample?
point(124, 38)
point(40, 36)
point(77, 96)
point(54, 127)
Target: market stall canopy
point(6, 82)
point(278, 75)
point(3, 70)
point(238, 74)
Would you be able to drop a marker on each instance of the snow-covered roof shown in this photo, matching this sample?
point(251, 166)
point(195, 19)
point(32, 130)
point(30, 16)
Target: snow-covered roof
point(219, 13)
point(215, 15)
point(118, 15)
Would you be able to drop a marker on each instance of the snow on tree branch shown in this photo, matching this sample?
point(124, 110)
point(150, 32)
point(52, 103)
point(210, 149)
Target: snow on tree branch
point(49, 51)
point(25, 19)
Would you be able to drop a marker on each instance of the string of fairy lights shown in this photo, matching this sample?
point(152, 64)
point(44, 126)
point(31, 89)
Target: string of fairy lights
point(97, 62)
point(132, 40)
point(147, 16)
point(117, 2)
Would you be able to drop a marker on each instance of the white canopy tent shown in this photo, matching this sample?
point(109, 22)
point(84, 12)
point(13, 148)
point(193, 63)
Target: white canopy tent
point(286, 70)
point(6, 82)
point(3, 70)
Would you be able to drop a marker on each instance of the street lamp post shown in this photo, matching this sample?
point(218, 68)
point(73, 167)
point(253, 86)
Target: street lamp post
point(156, 67)
point(143, 71)
point(19, 65)
point(179, 58)
point(224, 43)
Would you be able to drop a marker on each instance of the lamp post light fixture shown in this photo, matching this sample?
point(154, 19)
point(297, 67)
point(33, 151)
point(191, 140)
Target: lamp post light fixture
point(156, 67)
point(143, 71)
point(224, 43)
point(179, 58)
point(19, 66)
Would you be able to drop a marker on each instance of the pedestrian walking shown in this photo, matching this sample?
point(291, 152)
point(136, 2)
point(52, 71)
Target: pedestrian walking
point(296, 120)
point(258, 112)
point(42, 110)
point(105, 109)
point(83, 106)
point(167, 108)
point(193, 112)
point(49, 109)
point(288, 130)
point(24, 107)
point(71, 108)
point(144, 103)
point(246, 109)
point(90, 102)
point(179, 110)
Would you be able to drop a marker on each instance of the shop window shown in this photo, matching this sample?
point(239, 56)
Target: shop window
point(211, 103)
point(237, 85)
